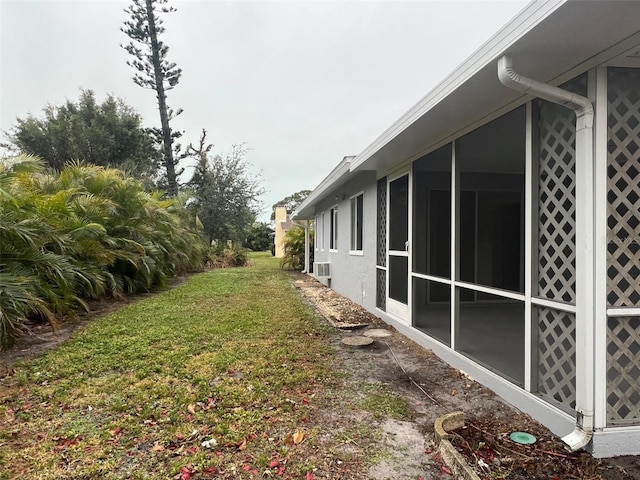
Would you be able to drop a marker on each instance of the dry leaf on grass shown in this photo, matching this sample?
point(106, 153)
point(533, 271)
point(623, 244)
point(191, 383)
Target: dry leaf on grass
point(298, 437)
point(157, 447)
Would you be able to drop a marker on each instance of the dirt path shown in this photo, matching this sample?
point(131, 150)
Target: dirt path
point(432, 389)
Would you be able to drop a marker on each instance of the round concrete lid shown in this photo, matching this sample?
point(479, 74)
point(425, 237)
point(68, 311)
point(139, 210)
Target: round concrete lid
point(377, 333)
point(357, 341)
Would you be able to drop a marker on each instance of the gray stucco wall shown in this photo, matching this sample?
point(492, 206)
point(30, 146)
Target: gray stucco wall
point(351, 275)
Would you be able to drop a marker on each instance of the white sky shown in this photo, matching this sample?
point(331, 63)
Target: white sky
point(302, 83)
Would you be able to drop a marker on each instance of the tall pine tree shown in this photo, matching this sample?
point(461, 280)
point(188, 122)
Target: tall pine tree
point(154, 71)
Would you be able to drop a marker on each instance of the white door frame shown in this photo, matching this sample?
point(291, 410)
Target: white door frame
point(399, 310)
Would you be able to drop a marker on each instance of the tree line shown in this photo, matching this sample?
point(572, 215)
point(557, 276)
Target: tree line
point(91, 202)
point(224, 191)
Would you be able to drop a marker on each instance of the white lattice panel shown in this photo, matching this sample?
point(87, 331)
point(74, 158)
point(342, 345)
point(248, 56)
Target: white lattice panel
point(623, 209)
point(557, 356)
point(623, 371)
point(557, 198)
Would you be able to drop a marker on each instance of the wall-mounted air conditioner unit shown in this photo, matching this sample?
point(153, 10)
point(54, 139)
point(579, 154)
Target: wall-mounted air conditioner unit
point(322, 270)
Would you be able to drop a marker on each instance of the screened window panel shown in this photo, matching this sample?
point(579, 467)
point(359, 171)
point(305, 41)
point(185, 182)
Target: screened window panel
point(432, 213)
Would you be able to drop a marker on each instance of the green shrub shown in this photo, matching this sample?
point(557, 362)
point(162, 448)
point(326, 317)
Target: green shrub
point(226, 256)
point(85, 232)
point(294, 249)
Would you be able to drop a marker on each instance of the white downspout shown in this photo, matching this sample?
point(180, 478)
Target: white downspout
point(307, 256)
point(585, 284)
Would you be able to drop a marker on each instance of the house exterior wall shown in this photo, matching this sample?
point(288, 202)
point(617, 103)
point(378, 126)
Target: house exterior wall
point(351, 275)
point(549, 324)
point(281, 217)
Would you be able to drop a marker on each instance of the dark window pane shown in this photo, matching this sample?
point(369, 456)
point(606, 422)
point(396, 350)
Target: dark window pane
point(399, 213)
point(491, 164)
point(491, 331)
point(432, 309)
point(359, 216)
point(432, 213)
point(398, 278)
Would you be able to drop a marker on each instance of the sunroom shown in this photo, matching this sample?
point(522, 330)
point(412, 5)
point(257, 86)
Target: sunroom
point(507, 206)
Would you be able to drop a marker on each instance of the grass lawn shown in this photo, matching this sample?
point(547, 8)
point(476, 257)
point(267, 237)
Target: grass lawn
point(225, 376)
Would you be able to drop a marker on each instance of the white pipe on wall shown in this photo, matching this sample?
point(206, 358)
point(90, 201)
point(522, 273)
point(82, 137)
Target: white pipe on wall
point(585, 210)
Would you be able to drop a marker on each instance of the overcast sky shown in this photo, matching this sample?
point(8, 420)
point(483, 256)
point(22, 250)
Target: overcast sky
point(302, 83)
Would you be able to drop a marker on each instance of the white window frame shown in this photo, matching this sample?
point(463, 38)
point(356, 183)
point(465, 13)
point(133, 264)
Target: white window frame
point(320, 232)
point(333, 229)
point(356, 224)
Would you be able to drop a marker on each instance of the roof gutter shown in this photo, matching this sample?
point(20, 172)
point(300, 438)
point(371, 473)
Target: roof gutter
point(585, 285)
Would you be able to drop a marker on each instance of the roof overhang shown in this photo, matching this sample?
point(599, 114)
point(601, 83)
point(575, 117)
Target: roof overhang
point(340, 175)
point(551, 41)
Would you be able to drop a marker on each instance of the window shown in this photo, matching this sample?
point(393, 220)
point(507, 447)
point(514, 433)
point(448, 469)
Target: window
point(356, 224)
point(492, 181)
point(432, 214)
point(316, 232)
point(333, 229)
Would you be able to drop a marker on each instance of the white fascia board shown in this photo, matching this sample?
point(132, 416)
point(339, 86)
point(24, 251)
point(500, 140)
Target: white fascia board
point(325, 185)
point(530, 16)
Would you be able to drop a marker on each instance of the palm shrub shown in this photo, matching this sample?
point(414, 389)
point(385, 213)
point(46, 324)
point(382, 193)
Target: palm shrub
point(33, 281)
point(85, 232)
point(225, 255)
point(294, 248)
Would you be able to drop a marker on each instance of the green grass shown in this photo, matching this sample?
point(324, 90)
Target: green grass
point(233, 357)
point(384, 403)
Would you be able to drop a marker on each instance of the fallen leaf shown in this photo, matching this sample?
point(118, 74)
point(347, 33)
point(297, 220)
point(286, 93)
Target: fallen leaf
point(274, 463)
point(446, 470)
point(191, 409)
point(309, 476)
point(298, 437)
point(454, 392)
point(157, 447)
point(243, 445)
point(185, 474)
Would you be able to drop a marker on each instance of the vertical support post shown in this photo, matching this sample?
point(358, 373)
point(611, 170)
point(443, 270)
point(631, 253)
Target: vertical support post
point(600, 270)
point(585, 292)
point(534, 236)
point(455, 250)
point(528, 222)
